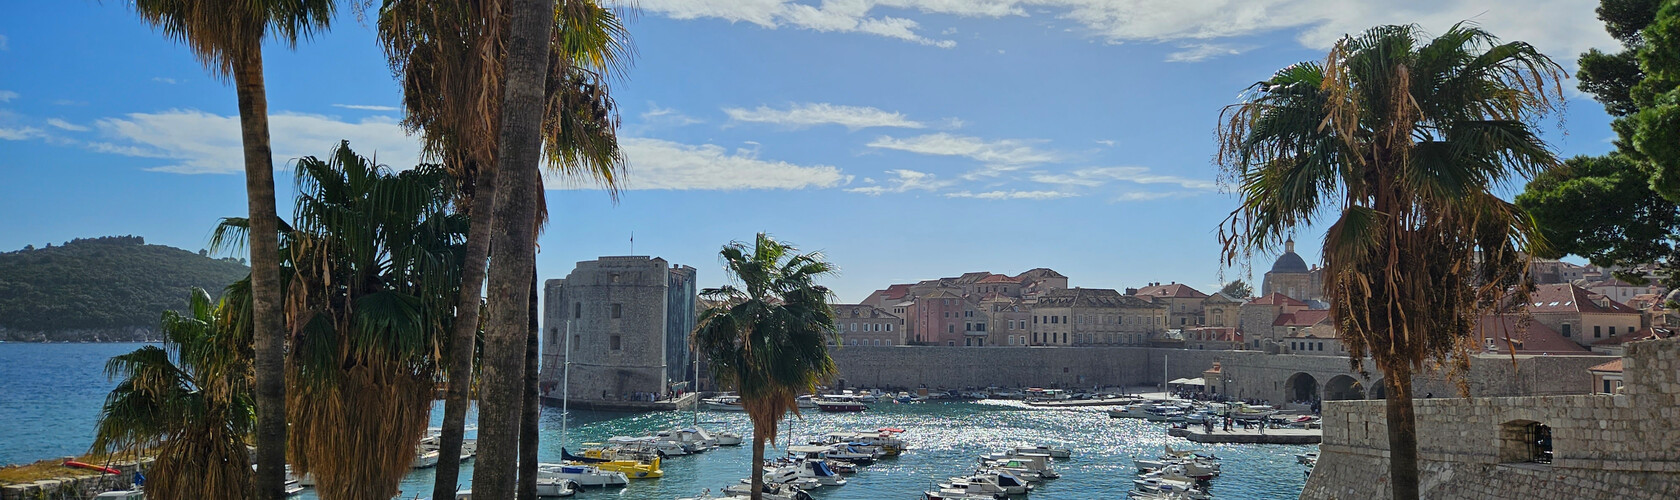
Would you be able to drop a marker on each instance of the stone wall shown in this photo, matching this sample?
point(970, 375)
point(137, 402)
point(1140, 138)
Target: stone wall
point(1247, 374)
point(1624, 446)
point(72, 488)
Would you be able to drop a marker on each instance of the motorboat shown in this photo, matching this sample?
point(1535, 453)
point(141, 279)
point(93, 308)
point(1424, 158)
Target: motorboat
point(583, 475)
point(691, 440)
point(1052, 451)
point(425, 459)
point(769, 492)
point(1155, 484)
point(990, 482)
point(805, 469)
point(292, 487)
point(633, 469)
point(884, 439)
point(1027, 465)
point(666, 447)
point(1164, 414)
point(1130, 411)
point(805, 401)
point(840, 451)
point(956, 494)
point(130, 494)
point(1308, 458)
point(840, 405)
point(556, 487)
point(723, 403)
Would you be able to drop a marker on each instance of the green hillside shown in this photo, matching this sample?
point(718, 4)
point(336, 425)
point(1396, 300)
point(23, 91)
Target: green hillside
point(110, 283)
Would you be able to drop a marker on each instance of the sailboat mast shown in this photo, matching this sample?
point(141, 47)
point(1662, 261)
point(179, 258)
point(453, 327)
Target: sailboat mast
point(566, 386)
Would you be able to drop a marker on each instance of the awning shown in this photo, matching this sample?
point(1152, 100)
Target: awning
point(1187, 381)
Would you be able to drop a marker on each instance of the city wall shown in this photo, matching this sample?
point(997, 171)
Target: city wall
point(1246, 374)
point(72, 486)
point(1622, 447)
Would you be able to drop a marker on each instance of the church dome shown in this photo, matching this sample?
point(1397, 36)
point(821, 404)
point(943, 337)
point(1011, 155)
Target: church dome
point(1289, 262)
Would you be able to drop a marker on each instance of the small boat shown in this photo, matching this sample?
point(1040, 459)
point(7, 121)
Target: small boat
point(1130, 411)
point(130, 494)
point(990, 482)
point(816, 470)
point(956, 494)
point(425, 459)
point(769, 492)
point(1029, 467)
point(633, 469)
point(1164, 414)
point(556, 487)
point(1052, 451)
point(883, 439)
point(805, 401)
point(727, 439)
point(292, 487)
point(723, 403)
point(1187, 489)
point(839, 406)
point(583, 475)
point(1308, 458)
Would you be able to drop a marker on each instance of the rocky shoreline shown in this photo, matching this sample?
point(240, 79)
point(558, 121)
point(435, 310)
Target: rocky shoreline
point(125, 334)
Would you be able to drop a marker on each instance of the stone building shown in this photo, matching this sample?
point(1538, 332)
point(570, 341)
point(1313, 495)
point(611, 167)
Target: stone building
point(629, 319)
point(861, 324)
point(1622, 291)
point(1291, 277)
point(1509, 333)
point(1256, 318)
point(939, 319)
point(1614, 446)
point(1184, 304)
point(1095, 316)
point(1549, 271)
point(1007, 319)
point(1220, 309)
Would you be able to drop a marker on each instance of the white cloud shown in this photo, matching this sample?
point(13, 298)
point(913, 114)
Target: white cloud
point(1098, 176)
point(1197, 52)
point(196, 142)
point(364, 107)
point(1003, 152)
point(7, 95)
point(1012, 195)
point(905, 180)
point(1106, 142)
point(1143, 196)
point(661, 164)
point(66, 125)
point(668, 116)
point(821, 113)
point(1562, 28)
point(170, 81)
point(21, 133)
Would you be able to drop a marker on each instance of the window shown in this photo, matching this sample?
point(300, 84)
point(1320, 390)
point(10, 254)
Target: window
point(617, 311)
point(1064, 319)
point(854, 327)
point(615, 343)
point(1035, 336)
point(889, 327)
point(1596, 332)
point(577, 310)
point(1565, 329)
point(1612, 331)
point(951, 329)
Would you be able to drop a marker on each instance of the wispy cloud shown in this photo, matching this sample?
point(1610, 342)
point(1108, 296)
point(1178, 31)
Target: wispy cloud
point(903, 181)
point(21, 133)
point(366, 107)
point(822, 113)
point(170, 81)
point(1012, 195)
point(999, 152)
point(59, 123)
point(662, 164)
point(668, 116)
point(1106, 142)
point(196, 142)
point(1197, 52)
point(7, 96)
point(837, 17)
point(1098, 176)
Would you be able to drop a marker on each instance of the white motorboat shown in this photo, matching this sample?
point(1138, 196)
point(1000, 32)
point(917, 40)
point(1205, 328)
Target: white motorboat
point(1308, 458)
point(883, 439)
point(727, 439)
point(805, 401)
point(1164, 414)
point(668, 447)
point(1052, 451)
point(1187, 489)
point(425, 459)
point(691, 440)
point(292, 487)
point(816, 470)
point(723, 403)
point(770, 492)
point(1130, 411)
point(956, 494)
point(844, 452)
point(1034, 465)
point(556, 487)
point(583, 475)
point(990, 482)
point(130, 494)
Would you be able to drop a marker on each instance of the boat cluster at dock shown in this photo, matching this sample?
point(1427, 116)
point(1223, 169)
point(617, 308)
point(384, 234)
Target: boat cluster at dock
point(1175, 475)
point(1014, 471)
point(821, 463)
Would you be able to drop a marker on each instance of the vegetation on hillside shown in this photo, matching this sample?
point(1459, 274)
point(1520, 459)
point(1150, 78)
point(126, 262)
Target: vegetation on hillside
point(108, 283)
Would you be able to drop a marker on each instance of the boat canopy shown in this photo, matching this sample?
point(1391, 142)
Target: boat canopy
point(1188, 381)
point(807, 449)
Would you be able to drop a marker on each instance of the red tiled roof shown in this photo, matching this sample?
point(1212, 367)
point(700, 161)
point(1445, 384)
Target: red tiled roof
point(1175, 290)
point(1308, 317)
point(1612, 367)
point(1570, 298)
point(1277, 299)
point(896, 291)
point(1655, 332)
point(999, 278)
point(1535, 338)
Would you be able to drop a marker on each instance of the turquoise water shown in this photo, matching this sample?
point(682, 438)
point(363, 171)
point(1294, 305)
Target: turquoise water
point(53, 404)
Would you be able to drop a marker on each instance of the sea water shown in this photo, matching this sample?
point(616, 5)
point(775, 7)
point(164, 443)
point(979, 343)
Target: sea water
point(50, 396)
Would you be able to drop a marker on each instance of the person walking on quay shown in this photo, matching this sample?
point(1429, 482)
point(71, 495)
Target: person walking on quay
point(1227, 423)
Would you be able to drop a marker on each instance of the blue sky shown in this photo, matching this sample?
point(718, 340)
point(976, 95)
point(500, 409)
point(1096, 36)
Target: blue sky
point(907, 139)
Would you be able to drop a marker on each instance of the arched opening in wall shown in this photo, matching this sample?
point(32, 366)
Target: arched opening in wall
point(1379, 389)
point(1343, 387)
point(1301, 387)
point(1525, 441)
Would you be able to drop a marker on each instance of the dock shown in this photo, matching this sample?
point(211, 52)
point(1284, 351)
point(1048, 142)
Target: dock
point(1250, 436)
point(1074, 403)
point(682, 402)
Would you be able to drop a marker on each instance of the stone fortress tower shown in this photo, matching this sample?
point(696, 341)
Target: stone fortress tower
point(629, 319)
point(1291, 277)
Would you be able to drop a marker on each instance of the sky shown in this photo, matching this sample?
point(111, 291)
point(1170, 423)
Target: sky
point(905, 139)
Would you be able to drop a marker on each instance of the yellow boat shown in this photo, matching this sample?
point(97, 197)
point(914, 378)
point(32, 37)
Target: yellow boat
point(632, 469)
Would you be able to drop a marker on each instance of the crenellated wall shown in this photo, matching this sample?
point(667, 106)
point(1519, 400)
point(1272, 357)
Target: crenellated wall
point(1621, 447)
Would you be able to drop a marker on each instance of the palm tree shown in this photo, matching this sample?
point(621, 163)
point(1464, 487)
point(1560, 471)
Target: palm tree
point(189, 401)
point(768, 337)
point(372, 260)
point(449, 56)
point(1401, 138)
point(227, 36)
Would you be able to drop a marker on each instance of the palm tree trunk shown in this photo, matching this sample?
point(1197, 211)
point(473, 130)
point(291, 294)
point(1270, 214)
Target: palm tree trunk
point(528, 437)
point(269, 329)
point(1402, 434)
point(514, 240)
point(758, 465)
point(464, 338)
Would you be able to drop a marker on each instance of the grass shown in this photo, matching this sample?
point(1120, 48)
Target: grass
point(52, 469)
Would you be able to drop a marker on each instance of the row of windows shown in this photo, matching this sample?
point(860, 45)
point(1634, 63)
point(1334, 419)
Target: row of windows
point(617, 309)
point(1306, 346)
point(1095, 319)
point(876, 327)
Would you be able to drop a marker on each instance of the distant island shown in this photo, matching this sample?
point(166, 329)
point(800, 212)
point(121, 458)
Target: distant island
point(107, 289)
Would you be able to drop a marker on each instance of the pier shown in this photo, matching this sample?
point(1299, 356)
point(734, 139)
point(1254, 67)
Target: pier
point(1250, 436)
